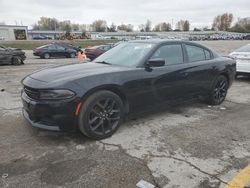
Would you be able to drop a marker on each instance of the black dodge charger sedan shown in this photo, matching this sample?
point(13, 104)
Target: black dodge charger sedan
point(55, 50)
point(94, 97)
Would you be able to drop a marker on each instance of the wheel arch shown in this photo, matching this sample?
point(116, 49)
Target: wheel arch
point(112, 88)
point(226, 75)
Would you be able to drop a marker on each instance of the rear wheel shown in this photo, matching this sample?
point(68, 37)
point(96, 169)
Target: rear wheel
point(16, 60)
point(72, 55)
point(101, 115)
point(46, 56)
point(219, 91)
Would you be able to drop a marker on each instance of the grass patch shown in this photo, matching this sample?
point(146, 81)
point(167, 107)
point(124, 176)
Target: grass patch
point(31, 44)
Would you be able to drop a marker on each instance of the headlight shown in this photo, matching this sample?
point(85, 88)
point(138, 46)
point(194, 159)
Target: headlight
point(56, 94)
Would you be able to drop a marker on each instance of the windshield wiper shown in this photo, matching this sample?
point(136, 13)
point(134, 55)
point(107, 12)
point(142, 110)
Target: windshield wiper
point(103, 62)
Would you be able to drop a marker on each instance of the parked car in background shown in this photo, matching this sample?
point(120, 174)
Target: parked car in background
point(12, 56)
point(247, 37)
point(242, 57)
point(42, 37)
point(2, 38)
point(129, 78)
point(68, 45)
point(54, 50)
point(96, 51)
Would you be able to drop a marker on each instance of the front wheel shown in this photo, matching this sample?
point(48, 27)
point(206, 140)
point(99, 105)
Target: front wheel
point(101, 115)
point(16, 60)
point(72, 55)
point(219, 91)
point(46, 56)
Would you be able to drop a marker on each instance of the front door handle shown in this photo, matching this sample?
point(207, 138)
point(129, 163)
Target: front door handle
point(184, 74)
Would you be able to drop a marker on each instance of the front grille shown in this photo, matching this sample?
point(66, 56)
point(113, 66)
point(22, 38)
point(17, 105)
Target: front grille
point(32, 93)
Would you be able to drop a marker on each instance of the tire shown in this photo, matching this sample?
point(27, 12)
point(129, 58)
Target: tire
point(219, 91)
point(46, 56)
point(16, 60)
point(101, 115)
point(72, 55)
point(236, 76)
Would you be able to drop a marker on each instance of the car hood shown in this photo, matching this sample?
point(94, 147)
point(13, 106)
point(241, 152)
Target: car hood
point(14, 49)
point(74, 71)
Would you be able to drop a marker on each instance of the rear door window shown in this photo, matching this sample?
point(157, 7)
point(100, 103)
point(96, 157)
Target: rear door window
point(195, 53)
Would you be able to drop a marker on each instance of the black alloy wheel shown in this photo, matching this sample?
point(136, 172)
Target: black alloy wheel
point(219, 90)
point(16, 60)
point(72, 55)
point(46, 56)
point(101, 115)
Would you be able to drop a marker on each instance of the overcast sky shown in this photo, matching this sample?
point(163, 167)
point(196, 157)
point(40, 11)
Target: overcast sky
point(199, 12)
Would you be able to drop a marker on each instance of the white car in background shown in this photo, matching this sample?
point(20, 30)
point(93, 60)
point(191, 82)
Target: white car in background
point(242, 57)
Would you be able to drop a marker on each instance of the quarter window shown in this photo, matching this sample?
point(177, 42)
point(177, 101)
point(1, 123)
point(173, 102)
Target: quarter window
point(195, 53)
point(208, 54)
point(172, 54)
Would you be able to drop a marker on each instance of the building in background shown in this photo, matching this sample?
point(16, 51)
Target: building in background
point(13, 32)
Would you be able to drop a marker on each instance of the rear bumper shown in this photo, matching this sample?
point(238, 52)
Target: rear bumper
point(90, 56)
point(36, 54)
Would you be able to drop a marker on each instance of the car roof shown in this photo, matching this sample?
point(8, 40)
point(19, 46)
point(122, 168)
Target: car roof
point(155, 41)
point(164, 41)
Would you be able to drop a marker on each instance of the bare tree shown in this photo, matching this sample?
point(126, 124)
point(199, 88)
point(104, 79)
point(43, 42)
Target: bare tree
point(183, 25)
point(112, 28)
point(75, 27)
point(166, 27)
point(223, 22)
point(65, 25)
point(142, 28)
point(180, 25)
point(127, 28)
point(148, 26)
point(46, 23)
point(242, 25)
point(186, 25)
point(163, 27)
point(99, 25)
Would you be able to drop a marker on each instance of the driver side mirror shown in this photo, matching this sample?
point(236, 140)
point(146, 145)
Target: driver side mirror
point(154, 63)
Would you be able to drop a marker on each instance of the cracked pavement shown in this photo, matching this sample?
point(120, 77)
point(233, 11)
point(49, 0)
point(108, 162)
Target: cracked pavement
point(189, 145)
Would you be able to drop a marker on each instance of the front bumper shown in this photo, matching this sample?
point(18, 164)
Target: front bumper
point(23, 57)
point(36, 54)
point(54, 116)
point(39, 124)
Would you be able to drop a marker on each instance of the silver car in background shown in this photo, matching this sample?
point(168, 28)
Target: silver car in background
point(242, 57)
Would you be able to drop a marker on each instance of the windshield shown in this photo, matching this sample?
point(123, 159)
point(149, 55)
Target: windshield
point(126, 54)
point(244, 48)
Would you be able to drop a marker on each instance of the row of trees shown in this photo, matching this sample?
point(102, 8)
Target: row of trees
point(46, 23)
point(221, 22)
point(51, 24)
